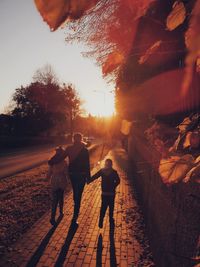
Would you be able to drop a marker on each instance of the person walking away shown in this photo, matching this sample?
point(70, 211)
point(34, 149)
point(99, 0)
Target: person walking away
point(110, 180)
point(57, 174)
point(79, 169)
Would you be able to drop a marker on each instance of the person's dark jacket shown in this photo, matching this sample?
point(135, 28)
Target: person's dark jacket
point(110, 180)
point(79, 162)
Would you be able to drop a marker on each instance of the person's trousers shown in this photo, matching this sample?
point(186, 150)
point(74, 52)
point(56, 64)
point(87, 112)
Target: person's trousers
point(107, 202)
point(78, 184)
point(57, 198)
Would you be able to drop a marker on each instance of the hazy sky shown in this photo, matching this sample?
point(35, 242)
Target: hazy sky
point(27, 44)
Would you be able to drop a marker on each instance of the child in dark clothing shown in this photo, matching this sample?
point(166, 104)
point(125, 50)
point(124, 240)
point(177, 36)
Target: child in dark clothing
point(110, 180)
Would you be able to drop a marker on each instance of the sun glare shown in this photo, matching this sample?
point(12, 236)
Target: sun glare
point(100, 103)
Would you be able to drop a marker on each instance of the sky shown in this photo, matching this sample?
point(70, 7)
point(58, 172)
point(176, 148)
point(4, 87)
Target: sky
point(26, 44)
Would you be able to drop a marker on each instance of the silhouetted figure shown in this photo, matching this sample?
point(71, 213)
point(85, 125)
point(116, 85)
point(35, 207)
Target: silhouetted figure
point(110, 180)
point(57, 173)
point(79, 169)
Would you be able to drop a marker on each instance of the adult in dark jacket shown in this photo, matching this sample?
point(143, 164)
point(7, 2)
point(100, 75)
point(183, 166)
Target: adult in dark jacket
point(79, 169)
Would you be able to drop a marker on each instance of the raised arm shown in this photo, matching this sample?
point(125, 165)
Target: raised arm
point(95, 176)
point(58, 158)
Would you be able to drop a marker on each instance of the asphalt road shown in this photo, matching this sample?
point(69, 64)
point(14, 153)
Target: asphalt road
point(19, 161)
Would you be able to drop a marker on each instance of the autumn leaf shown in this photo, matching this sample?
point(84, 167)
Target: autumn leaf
point(149, 52)
point(113, 61)
point(126, 127)
point(194, 172)
point(176, 16)
point(174, 169)
point(55, 12)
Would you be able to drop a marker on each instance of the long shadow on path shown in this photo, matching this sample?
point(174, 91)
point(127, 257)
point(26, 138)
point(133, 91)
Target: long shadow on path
point(99, 251)
point(40, 250)
point(113, 261)
point(62, 256)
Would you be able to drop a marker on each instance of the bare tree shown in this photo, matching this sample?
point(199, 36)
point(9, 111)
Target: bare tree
point(46, 105)
point(45, 75)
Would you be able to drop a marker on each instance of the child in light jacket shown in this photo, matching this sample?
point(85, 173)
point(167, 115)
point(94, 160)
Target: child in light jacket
point(57, 174)
point(109, 181)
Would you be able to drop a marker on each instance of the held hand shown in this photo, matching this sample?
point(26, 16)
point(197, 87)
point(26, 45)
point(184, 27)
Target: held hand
point(88, 180)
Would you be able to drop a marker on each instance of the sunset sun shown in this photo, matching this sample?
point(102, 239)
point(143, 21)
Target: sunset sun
point(100, 103)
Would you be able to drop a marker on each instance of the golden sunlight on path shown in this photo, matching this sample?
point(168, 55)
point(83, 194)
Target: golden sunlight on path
point(86, 245)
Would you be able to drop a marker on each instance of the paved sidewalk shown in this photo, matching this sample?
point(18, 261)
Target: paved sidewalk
point(85, 244)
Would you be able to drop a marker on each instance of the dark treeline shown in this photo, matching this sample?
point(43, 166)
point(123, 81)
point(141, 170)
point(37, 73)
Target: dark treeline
point(47, 110)
point(42, 108)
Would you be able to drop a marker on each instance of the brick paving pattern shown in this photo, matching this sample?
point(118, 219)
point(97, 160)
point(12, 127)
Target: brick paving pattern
point(85, 244)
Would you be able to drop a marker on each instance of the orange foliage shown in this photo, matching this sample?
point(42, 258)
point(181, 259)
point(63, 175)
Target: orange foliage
point(105, 27)
point(110, 27)
point(120, 34)
point(55, 12)
point(113, 61)
point(176, 16)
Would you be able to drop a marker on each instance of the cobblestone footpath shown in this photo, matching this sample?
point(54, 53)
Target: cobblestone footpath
point(85, 244)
